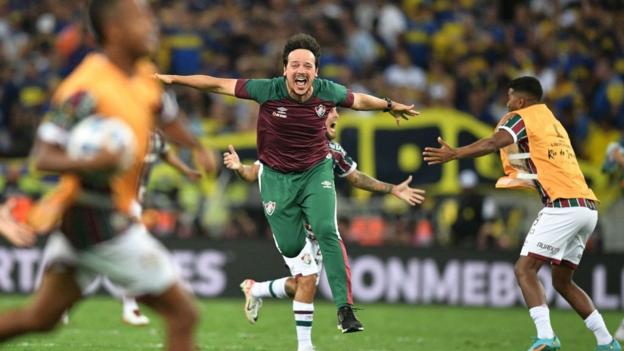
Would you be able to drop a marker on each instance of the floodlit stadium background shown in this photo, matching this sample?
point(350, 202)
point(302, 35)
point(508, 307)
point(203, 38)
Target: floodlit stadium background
point(452, 59)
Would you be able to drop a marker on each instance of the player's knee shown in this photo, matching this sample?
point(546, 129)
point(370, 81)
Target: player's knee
point(42, 322)
point(307, 283)
point(291, 286)
point(183, 316)
point(520, 270)
point(306, 288)
point(185, 321)
point(561, 283)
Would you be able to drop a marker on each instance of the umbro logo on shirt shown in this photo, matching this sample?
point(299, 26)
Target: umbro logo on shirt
point(326, 184)
point(280, 112)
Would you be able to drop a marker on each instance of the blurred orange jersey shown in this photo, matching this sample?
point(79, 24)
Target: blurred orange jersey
point(97, 86)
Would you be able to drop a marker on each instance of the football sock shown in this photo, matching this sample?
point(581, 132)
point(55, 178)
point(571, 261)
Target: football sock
point(541, 318)
point(129, 303)
point(596, 324)
point(304, 314)
point(270, 288)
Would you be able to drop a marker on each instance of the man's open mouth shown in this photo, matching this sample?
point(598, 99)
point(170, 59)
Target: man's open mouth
point(300, 82)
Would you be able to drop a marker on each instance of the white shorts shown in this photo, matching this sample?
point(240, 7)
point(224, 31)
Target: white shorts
point(308, 262)
point(134, 260)
point(559, 234)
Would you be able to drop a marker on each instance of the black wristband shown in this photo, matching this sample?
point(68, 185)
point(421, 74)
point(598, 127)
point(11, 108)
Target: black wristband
point(389, 106)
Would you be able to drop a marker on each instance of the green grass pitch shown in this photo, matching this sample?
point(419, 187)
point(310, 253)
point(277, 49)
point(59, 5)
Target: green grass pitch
point(95, 324)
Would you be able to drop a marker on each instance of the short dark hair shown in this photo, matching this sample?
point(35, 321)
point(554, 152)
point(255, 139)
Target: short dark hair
point(529, 85)
point(98, 13)
point(302, 41)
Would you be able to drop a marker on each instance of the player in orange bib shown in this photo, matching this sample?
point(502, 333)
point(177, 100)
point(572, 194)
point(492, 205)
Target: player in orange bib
point(536, 153)
point(159, 150)
point(99, 233)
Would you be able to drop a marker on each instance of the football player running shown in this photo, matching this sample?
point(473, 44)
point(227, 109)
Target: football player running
point(306, 267)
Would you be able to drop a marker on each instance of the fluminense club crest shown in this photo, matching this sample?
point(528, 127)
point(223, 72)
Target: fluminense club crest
point(306, 258)
point(269, 207)
point(320, 110)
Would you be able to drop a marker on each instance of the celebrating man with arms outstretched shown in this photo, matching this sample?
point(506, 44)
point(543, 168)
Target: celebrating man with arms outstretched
point(306, 267)
point(297, 182)
point(536, 153)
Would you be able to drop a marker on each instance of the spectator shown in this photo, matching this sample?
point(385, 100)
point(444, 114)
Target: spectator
point(403, 74)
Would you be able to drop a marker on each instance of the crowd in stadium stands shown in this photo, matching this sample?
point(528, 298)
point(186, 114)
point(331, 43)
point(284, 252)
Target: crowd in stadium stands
point(457, 54)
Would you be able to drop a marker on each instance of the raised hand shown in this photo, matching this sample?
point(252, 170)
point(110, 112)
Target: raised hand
point(192, 174)
point(399, 111)
point(18, 234)
point(231, 159)
point(444, 153)
point(410, 195)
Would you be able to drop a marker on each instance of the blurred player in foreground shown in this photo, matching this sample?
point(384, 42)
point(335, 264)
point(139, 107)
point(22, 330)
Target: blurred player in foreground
point(104, 236)
point(306, 268)
point(536, 153)
point(159, 149)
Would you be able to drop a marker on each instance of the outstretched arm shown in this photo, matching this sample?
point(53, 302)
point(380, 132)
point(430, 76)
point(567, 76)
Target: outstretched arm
point(481, 147)
point(232, 161)
point(211, 84)
point(51, 158)
point(402, 191)
point(181, 135)
point(365, 102)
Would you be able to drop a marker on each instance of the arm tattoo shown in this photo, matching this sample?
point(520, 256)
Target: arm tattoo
point(366, 182)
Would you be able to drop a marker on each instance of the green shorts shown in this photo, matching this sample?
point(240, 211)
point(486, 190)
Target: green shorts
point(293, 199)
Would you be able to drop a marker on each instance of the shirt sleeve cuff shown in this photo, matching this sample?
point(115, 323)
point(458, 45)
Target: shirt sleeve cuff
point(349, 98)
point(353, 167)
point(240, 90)
point(508, 130)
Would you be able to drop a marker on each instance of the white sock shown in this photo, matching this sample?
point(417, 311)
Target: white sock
point(270, 288)
point(304, 314)
point(541, 318)
point(596, 324)
point(129, 303)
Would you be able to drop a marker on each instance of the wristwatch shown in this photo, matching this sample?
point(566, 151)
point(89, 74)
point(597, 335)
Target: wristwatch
point(389, 106)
